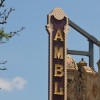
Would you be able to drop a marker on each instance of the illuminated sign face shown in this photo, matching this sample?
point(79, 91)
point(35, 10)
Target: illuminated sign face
point(57, 28)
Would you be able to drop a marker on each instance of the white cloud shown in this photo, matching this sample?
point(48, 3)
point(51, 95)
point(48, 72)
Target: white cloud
point(9, 85)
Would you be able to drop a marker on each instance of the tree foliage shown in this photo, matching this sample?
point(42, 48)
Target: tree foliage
point(5, 36)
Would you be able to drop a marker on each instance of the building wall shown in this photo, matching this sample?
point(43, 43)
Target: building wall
point(83, 83)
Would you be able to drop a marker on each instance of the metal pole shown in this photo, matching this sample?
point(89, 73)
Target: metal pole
point(84, 33)
point(91, 52)
point(99, 52)
point(75, 52)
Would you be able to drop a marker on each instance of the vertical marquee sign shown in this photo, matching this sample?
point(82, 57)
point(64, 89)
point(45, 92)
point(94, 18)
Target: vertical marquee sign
point(57, 28)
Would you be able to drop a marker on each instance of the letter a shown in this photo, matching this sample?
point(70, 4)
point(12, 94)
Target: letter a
point(59, 35)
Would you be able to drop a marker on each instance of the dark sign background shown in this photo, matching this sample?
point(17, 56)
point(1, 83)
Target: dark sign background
point(58, 24)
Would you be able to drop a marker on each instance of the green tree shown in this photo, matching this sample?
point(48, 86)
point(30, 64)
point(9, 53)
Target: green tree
point(5, 36)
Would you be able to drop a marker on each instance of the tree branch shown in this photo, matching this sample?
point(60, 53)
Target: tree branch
point(3, 68)
point(3, 62)
point(16, 32)
point(4, 16)
point(4, 37)
point(1, 3)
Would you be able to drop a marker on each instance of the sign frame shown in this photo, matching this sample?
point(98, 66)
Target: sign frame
point(57, 36)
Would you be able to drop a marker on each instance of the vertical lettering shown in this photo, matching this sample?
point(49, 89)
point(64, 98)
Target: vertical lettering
point(58, 70)
point(58, 91)
point(58, 52)
point(59, 35)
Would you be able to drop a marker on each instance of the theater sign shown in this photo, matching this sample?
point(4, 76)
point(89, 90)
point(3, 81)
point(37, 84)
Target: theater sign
point(57, 28)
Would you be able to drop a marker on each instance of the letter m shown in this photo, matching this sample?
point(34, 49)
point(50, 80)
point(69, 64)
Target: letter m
point(58, 52)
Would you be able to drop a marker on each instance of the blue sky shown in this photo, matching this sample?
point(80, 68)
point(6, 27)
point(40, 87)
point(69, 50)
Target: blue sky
point(27, 54)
